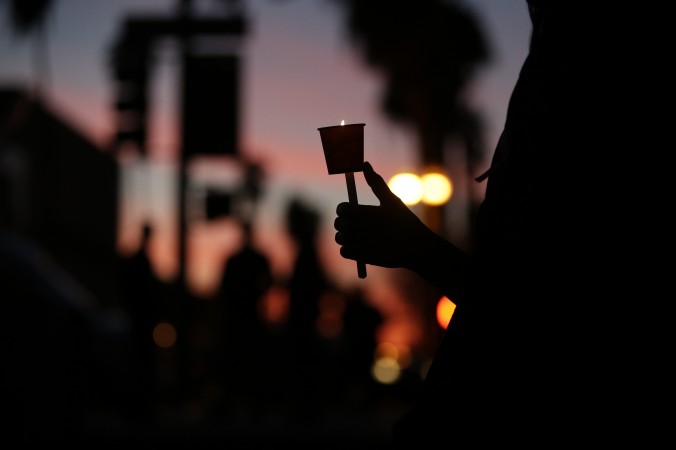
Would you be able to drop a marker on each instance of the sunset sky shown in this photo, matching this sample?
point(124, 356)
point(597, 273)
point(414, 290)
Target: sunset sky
point(299, 73)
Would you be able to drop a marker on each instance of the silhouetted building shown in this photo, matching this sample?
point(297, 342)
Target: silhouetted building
point(58, 267)
point(60, 190)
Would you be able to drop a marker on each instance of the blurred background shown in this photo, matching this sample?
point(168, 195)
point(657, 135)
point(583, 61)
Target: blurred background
point(169, 273)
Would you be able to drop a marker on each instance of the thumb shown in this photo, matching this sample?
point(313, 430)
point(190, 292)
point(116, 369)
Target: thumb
point(379, 186)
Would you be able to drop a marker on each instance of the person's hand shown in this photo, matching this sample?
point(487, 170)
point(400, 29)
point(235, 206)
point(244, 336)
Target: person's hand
point(389, 235)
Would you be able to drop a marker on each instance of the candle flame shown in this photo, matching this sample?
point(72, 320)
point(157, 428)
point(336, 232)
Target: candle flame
point(342, 122)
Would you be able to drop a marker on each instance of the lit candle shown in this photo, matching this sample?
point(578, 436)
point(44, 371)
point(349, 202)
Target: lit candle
point(344, 153)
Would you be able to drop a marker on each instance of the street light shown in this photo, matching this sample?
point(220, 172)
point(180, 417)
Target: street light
point(407, 186)
point(437, 188)
point(433, 188)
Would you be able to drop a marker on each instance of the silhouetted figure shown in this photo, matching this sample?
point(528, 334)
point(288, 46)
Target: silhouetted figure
point(557, 336)
point(246, 278)
point(308, 280)
point(140, 296)
point(361, 322)
point(307, 283)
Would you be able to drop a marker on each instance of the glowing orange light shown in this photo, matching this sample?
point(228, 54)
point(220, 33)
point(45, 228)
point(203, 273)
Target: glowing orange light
point(330, 321)
point(445, 309)
point(164, 335)
point(274, 306)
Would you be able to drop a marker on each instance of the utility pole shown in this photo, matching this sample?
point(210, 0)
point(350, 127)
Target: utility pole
point(208, 92)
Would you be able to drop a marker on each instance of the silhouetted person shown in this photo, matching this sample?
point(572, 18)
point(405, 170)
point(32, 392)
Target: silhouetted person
point(557, 335)
point(361, 322)
point(140, 294)
point(246, 278)
point(308, 280)
point(307, 283)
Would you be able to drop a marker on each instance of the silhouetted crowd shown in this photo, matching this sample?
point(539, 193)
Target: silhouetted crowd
point(261, 349)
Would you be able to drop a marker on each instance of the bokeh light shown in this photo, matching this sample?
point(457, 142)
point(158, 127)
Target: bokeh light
point(437, 188)
point(386, 370)
point(388, 362)
point(164, 335)
point(407, 186)
point(445, 310)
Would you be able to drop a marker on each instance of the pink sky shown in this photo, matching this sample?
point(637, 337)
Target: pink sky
point(299, 73)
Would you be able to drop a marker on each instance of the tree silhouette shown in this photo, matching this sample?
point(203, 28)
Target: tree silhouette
point(427, 51)
point(27, 17)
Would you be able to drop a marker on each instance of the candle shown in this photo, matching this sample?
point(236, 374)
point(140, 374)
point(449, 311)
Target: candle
point(344, 153)
point(343, 147)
